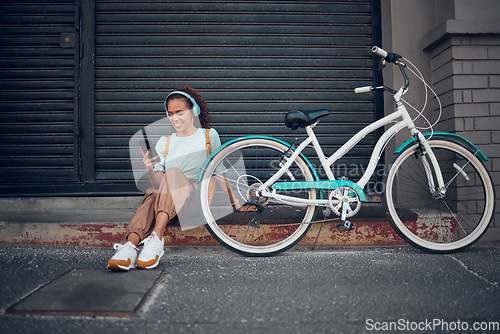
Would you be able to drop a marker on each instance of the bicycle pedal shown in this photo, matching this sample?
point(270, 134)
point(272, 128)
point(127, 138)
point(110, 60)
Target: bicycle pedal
point(345, 225)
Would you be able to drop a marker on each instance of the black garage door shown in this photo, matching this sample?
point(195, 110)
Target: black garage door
point(253, 61)
point(38, 100)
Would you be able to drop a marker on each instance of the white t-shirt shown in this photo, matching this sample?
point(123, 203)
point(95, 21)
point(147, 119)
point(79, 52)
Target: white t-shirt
point(186, 153)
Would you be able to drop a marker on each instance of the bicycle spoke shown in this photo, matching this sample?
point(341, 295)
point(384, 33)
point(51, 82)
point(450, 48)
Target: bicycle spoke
point(454, 217)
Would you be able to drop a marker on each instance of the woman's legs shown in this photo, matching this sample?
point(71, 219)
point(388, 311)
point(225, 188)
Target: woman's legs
point(142, 224)
point(153, 215)
point(175, 192)
point(139, 226)
point(172, 194)
point(160, 206)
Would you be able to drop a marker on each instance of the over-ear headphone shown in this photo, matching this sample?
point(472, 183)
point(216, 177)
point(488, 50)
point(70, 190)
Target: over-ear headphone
point(196, 108)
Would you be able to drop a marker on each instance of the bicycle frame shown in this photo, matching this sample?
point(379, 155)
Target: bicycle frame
point(404, 122)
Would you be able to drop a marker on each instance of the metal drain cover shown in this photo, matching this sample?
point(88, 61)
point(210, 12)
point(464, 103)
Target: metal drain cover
point(91, 292)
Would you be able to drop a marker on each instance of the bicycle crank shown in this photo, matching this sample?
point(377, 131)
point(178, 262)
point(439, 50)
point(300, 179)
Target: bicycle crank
point(344, 201)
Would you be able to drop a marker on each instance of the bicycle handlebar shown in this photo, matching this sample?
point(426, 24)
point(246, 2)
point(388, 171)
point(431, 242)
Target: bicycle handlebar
point(391, 58)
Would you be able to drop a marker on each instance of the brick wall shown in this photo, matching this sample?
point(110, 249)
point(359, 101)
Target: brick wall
point(466, 76)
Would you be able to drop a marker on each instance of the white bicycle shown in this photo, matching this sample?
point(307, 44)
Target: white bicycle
point(438, 195)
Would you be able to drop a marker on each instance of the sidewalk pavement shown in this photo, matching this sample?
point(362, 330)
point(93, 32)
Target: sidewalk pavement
point(65, 289)
point(101, 222)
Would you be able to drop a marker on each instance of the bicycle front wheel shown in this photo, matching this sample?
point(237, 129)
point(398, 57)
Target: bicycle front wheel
point(427, 220)
point(244, 166)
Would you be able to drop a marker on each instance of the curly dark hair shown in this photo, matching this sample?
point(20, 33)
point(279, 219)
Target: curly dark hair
point(204, 118)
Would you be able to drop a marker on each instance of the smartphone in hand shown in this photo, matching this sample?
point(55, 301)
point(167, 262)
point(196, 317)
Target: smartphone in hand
point(145, 144)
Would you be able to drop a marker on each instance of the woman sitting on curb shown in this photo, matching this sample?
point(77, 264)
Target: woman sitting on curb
point(181, 157)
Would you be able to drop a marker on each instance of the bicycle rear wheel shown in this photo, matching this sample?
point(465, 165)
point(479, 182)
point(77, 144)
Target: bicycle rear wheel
point(245, 165)
point(425, 220)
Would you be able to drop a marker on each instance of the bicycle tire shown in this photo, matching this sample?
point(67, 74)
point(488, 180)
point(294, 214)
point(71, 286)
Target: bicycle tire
point(247, 163)
point(439, 225)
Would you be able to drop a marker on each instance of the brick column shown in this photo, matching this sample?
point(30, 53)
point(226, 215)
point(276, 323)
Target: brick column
point(466, 76)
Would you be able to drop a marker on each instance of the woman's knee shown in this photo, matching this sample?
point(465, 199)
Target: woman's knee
point(173, 171)
point(171, 174)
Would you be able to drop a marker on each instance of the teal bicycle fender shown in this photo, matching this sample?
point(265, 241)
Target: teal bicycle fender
point(200, 174)
point(459, 140)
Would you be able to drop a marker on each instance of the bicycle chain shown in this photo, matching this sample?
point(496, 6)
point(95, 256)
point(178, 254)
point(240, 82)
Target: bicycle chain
point(311, 222)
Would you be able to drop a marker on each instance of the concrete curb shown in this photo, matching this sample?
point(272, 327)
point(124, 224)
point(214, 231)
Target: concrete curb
point(101, 222)
point(104, 235)
point(367, 233)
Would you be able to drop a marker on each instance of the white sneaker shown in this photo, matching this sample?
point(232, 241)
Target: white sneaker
point(124, 258)
point(151, 253)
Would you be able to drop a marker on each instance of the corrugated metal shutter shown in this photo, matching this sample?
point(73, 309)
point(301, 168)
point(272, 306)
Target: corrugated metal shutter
point(37, 91)
point(253, 61)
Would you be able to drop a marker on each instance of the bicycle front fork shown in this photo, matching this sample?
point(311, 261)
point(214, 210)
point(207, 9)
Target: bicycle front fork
point(430, 163)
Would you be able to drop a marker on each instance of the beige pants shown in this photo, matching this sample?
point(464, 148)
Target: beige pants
point(175, 193)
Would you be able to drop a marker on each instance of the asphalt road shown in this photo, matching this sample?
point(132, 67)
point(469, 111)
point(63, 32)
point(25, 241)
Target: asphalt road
point(328, 290)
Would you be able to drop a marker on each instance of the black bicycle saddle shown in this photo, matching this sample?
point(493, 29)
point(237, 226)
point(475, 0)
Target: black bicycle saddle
point(297, 118)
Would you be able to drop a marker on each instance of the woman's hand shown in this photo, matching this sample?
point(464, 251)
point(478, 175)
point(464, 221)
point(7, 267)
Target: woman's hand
point(148, 162)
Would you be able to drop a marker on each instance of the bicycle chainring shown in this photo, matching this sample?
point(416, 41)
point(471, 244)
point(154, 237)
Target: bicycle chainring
point(346, 195)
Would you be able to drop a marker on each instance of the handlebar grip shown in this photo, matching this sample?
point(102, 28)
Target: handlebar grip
point(365, 89)
point(381, 52)
point(389, 57)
